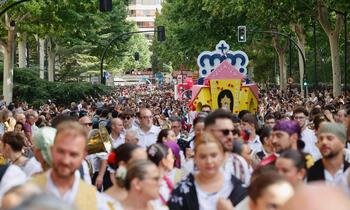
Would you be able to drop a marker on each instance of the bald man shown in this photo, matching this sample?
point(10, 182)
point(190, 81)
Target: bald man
point(318, 196)
point(117, 129)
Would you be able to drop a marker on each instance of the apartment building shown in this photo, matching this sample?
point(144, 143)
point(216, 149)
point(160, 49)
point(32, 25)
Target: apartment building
point(143, 12)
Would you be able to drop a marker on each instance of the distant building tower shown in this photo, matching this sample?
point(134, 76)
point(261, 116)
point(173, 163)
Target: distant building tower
point(143, 12)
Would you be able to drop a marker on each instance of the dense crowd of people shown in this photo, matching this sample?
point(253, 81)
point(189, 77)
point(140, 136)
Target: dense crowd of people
point(156, 152)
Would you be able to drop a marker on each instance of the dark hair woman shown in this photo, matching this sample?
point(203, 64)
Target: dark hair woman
point(117, 161)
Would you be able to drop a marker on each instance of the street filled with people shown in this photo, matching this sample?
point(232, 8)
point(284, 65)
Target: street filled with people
point(140, 149)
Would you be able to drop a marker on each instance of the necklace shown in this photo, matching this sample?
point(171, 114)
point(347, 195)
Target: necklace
point(17, 159)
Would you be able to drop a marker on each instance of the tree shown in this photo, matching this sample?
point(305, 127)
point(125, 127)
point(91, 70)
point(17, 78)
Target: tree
point(333, 33)
point(137, 43)
point(8, 49)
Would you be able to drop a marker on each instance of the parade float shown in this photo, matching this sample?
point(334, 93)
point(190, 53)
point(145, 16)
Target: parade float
point(224, 81)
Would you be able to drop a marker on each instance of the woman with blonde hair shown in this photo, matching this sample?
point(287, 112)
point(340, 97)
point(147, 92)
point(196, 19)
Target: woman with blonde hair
point(209, 186)
point(7, 122)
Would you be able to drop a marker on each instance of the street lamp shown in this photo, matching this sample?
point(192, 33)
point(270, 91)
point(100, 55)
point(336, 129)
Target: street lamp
point(292, 41)
point(12, 5)
point(160, 36)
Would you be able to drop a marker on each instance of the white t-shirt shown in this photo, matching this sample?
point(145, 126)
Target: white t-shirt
point(32, 167)
point(117, 141)
point(149, 138)
point(255, 144)
point(309, 138)
point(13, 176)
point(95, 160)
point(207, 201)
point(335, 180)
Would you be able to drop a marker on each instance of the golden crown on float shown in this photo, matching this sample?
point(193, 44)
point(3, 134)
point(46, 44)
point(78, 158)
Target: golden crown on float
point(224, 81)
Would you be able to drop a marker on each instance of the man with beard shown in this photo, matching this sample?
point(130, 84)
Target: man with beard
point(331, 142)
point(285, 136)
point(220, 124)
point(62, 181)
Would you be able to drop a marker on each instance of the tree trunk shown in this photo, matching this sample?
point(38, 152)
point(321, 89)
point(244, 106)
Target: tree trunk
point(51, 60)
point(22, 50)
point(333, 37)
point(42, 58)
point(282, 69)
point(281, 52)
point(301, 40)
point(336, 73)
point(8, 65)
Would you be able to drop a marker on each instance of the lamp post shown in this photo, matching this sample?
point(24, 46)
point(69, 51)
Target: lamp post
point(346, 52)
point(12, 5)
point(290, 62)
point(315, 53)
point(161, 37)
point(295, 44)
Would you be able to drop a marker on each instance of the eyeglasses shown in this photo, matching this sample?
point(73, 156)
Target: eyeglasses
point(299, 117)
point(226, 132)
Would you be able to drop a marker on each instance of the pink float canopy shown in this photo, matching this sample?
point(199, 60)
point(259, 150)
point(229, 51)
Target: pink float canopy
point(224, 71)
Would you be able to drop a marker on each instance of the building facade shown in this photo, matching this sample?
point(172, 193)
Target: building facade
point(143, 12)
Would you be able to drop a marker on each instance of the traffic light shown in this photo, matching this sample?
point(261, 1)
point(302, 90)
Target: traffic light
point(105, 5)
point(305, 81)
point(161, 33)
point(137, 56)
point(242, 34)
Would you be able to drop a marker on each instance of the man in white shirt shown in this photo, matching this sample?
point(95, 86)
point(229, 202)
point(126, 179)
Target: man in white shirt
point(147, 132)
point(331, 168)
point(117, 135)
point(220, 124)
point(249, 125)
point(68, 152)
point(308, 136)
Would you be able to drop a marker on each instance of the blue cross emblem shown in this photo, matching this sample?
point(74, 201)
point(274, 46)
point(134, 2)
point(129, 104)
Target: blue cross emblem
point(222, 48)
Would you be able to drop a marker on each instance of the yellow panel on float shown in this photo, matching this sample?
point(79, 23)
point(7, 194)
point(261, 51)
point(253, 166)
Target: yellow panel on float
point(244, 98)
point(203, 98)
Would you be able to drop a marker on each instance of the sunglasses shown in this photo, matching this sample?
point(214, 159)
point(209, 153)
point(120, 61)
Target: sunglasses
point(226, 132)
point(126, 118)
